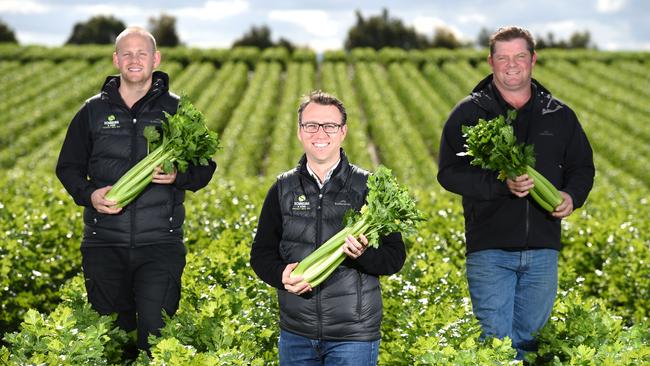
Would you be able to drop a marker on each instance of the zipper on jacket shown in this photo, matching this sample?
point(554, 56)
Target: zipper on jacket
point(319, 237)
point(134, 141)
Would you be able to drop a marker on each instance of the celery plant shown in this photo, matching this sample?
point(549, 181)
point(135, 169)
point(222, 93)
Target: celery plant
point(389, 209)
point(493, 146)
point(186, 139)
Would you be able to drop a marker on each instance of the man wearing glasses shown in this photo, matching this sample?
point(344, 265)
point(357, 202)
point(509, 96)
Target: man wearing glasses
point(337, 322)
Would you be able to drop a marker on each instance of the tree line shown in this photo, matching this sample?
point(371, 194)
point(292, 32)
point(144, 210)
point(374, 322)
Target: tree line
point(376, 31)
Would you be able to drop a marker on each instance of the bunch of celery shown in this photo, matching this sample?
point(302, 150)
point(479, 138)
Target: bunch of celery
point(186, 139)
point(493, 146)
point(388, 209)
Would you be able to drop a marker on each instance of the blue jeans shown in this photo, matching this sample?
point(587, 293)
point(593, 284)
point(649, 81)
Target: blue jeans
point(513, 293)
point(302, 351)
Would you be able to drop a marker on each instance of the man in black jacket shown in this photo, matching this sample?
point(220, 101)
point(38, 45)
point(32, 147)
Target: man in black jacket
point(337, 322)
point(132, 257)
point(513, 243)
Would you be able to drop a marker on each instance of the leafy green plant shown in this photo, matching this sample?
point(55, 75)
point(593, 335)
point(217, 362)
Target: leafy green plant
point(389, 209)
point(185, 140)
point(493, 146)
point(583, 332)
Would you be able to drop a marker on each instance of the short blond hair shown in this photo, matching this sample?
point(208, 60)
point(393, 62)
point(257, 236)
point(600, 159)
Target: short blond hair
point(136, 30)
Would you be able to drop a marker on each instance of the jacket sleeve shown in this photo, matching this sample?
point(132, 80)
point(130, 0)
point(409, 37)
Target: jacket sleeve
point(385, 260)
point(579, 165)
point(72, 165)
point(196, 176)
point(265, 252)
point(455, 173)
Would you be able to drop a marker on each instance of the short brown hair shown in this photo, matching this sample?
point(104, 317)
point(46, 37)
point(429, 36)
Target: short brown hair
point(508, 34)
point(322, 98)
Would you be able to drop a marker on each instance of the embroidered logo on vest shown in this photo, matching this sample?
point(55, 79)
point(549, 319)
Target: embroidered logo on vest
point(111, 122)
point(301, 203)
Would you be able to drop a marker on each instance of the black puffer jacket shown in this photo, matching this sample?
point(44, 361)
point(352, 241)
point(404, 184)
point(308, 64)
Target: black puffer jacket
point(495, 218)
point(104, 140)
point(348, 305)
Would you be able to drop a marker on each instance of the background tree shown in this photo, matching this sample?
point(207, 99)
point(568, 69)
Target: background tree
point(259, 37)
point(382, 31)
point(7, 34)
point(163, 30)
point(444, 38)
point(483, 38)
point(283, 42)
point(576, 40)
point(100, 29)
point(580, 40)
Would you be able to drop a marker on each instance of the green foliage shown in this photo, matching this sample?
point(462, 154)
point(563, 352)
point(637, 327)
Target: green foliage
point(260, 37)
point(186, 133)
point(99, 29)
point(583, 332)
point(445, 38)
point(7, 34)
point(493, 146)
point(227, 315)
point(382, 31)
point(248, 54)
point(363, 54)
point(277, 54)
point(73, 334)
point(577, 40)
point(40, 234)
point(186, 139)
point(389, 209)
point(304, 55)
point(388, 55)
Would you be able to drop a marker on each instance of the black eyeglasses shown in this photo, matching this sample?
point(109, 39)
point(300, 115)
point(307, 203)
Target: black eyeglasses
point(329, 127)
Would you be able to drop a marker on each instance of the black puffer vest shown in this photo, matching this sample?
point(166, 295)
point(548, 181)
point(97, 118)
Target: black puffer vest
point(118, 143)
point(348, 305)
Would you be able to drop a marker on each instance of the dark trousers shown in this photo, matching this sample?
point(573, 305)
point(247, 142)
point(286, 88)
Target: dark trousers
point(136, 283)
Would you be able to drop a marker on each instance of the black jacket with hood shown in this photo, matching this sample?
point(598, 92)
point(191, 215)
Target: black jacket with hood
point(494, 217)
point(103, 141)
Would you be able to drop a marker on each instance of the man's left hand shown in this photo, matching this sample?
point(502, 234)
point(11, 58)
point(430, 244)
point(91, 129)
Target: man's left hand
point(160, 177)
point(353, 248)
point(565, 208)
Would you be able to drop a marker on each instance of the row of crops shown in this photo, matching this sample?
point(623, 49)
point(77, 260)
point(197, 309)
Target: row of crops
point(397, 103)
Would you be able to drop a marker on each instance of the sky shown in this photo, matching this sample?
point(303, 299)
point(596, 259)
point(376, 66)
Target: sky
point(323, 25)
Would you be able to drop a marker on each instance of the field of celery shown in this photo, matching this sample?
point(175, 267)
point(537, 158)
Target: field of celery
point(397, 103)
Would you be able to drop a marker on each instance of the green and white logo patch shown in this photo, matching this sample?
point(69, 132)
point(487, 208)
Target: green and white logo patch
point(111, 122)
point(300, 203)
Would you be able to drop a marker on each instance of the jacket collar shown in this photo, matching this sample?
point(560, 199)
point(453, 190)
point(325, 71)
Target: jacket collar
point(485, 95)
point(338, 177)
point(110, 88)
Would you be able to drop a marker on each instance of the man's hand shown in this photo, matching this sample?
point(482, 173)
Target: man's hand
point(103, 205)
point(520, 185)
point(353, 248)
point(565, 208)
point(160, 177)
point(295, 285)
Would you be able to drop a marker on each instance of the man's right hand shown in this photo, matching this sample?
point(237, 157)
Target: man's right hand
point(520, 185)
point(295, 285)
point(103, 205)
